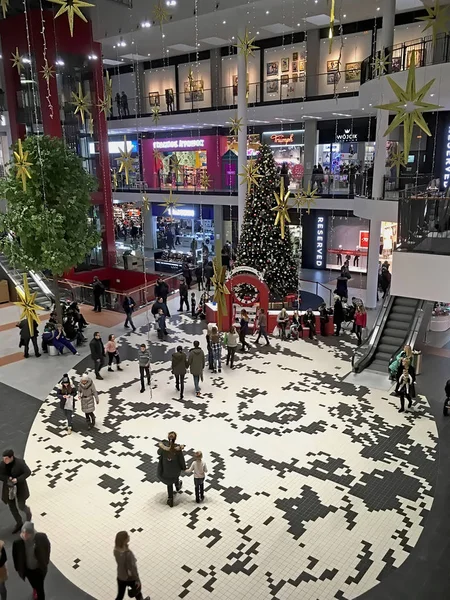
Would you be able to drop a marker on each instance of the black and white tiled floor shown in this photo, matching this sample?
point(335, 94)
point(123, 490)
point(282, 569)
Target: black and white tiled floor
point(317, 489)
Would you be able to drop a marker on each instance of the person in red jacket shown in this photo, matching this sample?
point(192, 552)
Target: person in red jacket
point(360, 321)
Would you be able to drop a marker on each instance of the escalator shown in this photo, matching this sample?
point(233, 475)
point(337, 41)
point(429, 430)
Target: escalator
point(36, 282)
point(397, 324)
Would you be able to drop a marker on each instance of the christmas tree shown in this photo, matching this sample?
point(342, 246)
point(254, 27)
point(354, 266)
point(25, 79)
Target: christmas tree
point(260, 243)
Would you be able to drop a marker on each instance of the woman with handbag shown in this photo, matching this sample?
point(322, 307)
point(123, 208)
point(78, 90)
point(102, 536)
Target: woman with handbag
point(3, 571)
point(127, 573)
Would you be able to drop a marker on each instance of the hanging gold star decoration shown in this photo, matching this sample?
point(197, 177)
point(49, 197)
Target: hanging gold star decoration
point(236, 125)
point(28, 304)
point(72, 8)
point(298, 200)
point(5, 5)
point(205, 180)
point(397, 159)
point(409, 106)
point(250, 175)
point(17, 60)
point(22, 163)
point(220, 289)
point(48, 71)
point(145, 202)
point(308, 197)
point(103, 105)
point(108, 91)
point(176, 164)
point(437, 18)
point(191, 78)
point(331, 29)
point(380, 64)
point(282, 208)
point(160, 13)
point(246, 46)
point(80, 102)
point(125, 160)
point(114, 179)
point(155, 114)
point(170, 203)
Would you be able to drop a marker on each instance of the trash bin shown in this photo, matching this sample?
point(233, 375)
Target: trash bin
point(417, 361)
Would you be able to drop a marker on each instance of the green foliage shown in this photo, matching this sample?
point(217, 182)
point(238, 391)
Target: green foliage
point(49, 218)
point(260, 244)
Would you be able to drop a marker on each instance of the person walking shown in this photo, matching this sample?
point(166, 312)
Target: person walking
point(26, 336)
point(208, 273)
point(243, 330)
point(66, 394)
point(128, 306)
point(97, 354)
point(31, 557)
point(60, 341)
point(262, 326)
point(160, 304)
point(196, 361)
point(161, 291)
point(161, 324)
point(88, 395)
point(199, 468)
point(360, 321)
point(144, 365)
point(216, 349)
point(183, 290)
point(193, 305)
point(232, 338)
point(98, 290)
point(127, 572)
point(199, 277)
point(119, 105)
point(405, 388)
point(14, 473)
point(179, 368)
point(3, 571)
point(171, 463)
point(124, 103)
point(338, 314)
point(113, 353)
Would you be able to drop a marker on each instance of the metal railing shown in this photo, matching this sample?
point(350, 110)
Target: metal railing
point(362, 355)
point(317, 288)
point(427, 52)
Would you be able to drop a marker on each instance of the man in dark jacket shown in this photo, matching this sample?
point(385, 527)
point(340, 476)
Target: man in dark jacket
point(338, 314)
point(183, 290)
point(98, 289)
point(97, 353)
point(160, 304)
point(309, 321)
point(208, 273)
point(128, 306)
point(171, 464)
point(161, 290)
point(179, 367)
point(31, 557)
point(187, 274)
point(14, 473)
point(26, 336)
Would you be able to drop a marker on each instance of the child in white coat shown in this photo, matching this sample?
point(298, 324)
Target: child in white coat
point(199, 468)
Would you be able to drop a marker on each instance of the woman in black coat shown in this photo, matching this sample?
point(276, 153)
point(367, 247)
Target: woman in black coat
point(14, 472)
point(171, 463)
point(338, 314)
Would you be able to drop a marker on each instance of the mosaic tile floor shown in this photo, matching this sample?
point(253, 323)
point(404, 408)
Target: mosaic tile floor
point(316, 489)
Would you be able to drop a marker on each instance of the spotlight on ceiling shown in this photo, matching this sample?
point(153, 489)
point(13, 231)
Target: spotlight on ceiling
point(146, 24)
point(171, 2)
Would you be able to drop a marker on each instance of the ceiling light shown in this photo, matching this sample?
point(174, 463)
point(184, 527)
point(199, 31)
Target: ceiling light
point(257, 33)
point(267, 12)
point(224, 22)
point(344, 16)
point(164, 35)
point(341, 115)
point(171, 2)
point(298, 24)
point(60, 62)
point(113, 46)
point(232, 39)
point(92, 57)
point(146, 24)
point(378, 8)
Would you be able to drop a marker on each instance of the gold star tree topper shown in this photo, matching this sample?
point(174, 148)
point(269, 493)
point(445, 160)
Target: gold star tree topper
point(72, 8)
point(48, 71)
point(220, 289)
point(17, 60)
point(155, 114)
point(236, 125)
point(125, 160)
point(81, 104)
point(437, 18)
point(250, 175)
point(5, 5)
point(22, 163)
point(307, 197)
point(28, 304)
point(245, 45)
point(282, 208)
point(160, 13)
point(170, 203)
point(409, 106)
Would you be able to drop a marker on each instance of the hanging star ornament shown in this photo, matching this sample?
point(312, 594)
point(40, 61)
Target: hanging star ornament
point(22, 163)
point(72, 8)
point(145, 202)
point(160, 13)
point(114, 179)
point(245, 46)
point(331, 29)
point(250, 175)
point(17, 60)
point(437, 18)
point(108, 90)
point(5, 5)
point(125, 160)
point(176, 165)
point(170, 203)
point(205, 180)
point(156, 114)
point(48, 71)
point(236, 125)
point(28, 304)
point(308, 197)
point(282, 208)
point(220, 289)
point(380, 64)
point(81, 104)
point(103, 106)
point(397, 159)
point(409, 106)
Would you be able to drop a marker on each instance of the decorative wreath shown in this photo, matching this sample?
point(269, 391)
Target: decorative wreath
point(246, 294)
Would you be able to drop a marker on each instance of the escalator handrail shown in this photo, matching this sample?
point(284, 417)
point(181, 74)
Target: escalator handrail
point(413, 330)
point(371, 343)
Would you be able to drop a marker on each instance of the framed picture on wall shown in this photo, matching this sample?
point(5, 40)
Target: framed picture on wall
point(332, 65)
point(333, 78)
point(295, 56)
point(272, 87)
point(302, 76)
point(352, 72)
point(272, 68)
point(153, 98)
point(197, 90)
point(284, 65)
point(187, 92)
point(396, 64)
point(301, 65)
point(295, 66)
point(284, 79)
point(294, 77)
point(418, 55)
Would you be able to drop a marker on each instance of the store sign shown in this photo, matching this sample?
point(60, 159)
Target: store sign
point(347, 136)
point(363, 239)
point(284, 138)
point(446, 177)
point(183, 212)
point(280, 138)
point(179, 144)
point(116, 147)
point(320, 243)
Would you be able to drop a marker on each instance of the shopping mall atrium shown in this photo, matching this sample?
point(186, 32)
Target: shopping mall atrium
point(224, 299)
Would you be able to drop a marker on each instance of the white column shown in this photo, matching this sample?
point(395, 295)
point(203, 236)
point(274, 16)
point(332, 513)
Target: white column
point(218, 223)
point(242, 135)
point(309, 156)
point(379, 161)
point(148, 228)
point(387, 31)
point(372, 264)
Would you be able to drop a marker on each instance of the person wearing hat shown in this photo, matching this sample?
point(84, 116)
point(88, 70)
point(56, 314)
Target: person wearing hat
point(31, 556)
point(66, 395)
point(14, 473)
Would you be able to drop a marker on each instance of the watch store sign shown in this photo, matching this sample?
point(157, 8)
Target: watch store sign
point(347, 136)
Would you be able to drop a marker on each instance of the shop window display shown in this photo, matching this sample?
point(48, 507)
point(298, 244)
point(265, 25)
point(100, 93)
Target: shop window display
point(181, 169)
point(128, 232)
point(347, 166)
point(348, 240)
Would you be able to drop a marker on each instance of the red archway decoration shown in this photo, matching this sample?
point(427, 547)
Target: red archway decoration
point(250, 279)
